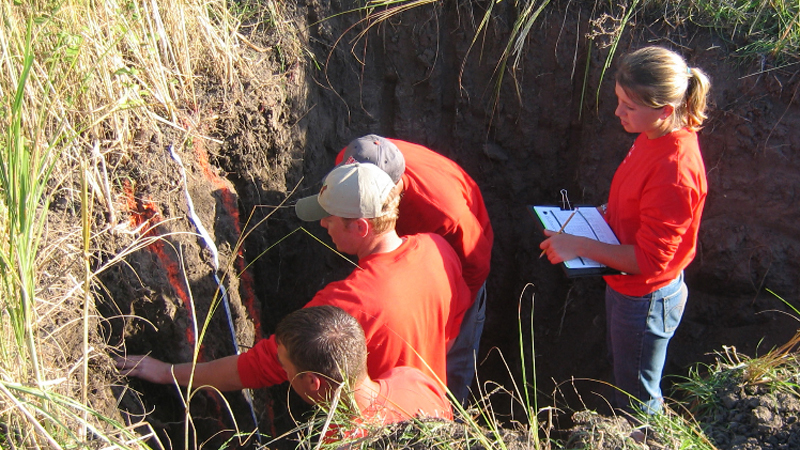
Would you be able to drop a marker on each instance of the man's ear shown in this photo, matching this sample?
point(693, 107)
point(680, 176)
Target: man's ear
point(315, 387)
point(313, 381)
point(361, 226)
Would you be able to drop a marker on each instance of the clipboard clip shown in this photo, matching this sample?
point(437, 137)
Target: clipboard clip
point(565, 204)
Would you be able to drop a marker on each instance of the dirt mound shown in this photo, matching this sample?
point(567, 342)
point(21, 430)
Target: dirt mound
point(754, 417)
point(738, 416)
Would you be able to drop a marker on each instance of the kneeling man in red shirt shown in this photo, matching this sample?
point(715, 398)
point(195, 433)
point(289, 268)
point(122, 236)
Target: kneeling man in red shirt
point(323, 349)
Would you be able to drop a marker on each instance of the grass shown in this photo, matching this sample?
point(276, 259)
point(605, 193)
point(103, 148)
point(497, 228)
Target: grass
point(79, 80)
point(760, 28)
point(679, 431)
point(777, 370)
point(527, 13)
point(757, 29)
point(713, 393)
point(40, 409)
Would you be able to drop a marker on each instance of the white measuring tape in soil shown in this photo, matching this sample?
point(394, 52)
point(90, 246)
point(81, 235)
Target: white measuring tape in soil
point(201, 230)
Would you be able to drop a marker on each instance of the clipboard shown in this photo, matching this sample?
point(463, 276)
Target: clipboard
point(587, 222)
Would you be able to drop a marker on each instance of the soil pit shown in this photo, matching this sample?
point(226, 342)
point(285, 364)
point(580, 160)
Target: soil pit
point(417, 77)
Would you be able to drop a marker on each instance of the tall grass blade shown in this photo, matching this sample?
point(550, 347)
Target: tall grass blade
point(585, 80)
point(614, 43)
point(516, 44)
point(22, 186)
point(785, 302)
point(88, 306)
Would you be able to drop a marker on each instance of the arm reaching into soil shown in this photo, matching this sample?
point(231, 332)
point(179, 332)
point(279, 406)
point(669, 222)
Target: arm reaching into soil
point(222, 373)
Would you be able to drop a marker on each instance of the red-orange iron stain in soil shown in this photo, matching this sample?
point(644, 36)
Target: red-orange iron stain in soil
point(230, 205)
point(145, 212)
point(245, 278)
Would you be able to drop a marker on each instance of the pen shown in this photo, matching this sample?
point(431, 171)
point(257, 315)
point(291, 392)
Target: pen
point(562, 227)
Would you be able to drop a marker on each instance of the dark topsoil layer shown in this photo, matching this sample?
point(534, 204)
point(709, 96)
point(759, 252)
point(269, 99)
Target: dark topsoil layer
point(539, 138)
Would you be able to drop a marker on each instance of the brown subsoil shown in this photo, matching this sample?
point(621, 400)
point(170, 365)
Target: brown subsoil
point(418, 77)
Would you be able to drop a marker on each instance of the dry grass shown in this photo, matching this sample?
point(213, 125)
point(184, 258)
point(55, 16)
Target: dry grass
point(87, 76)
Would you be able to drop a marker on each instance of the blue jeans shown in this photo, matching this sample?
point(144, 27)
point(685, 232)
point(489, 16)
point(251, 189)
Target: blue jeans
point(638, 332)
point(461, 356)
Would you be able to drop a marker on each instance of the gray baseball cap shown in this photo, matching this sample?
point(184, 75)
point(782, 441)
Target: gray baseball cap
point(351, 191)
point(376, 150)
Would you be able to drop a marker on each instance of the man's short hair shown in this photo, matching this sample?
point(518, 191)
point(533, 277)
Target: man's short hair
point(390, 211)
point(325, 340)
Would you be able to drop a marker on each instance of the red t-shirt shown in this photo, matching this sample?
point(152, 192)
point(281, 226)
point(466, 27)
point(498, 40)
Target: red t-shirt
point(409, 301)
point(439, 197)
point(655, 203)
point(405, 393)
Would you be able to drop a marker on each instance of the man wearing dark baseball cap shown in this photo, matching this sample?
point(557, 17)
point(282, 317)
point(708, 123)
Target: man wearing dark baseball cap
point(439, 197)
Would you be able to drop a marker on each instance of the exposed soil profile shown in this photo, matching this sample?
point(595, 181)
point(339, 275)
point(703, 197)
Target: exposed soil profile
point(419, 77)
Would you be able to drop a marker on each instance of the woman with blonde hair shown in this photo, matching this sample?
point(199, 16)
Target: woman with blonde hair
point(654, 207)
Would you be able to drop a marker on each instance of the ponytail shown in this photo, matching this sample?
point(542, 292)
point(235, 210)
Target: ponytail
point(696, 99)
